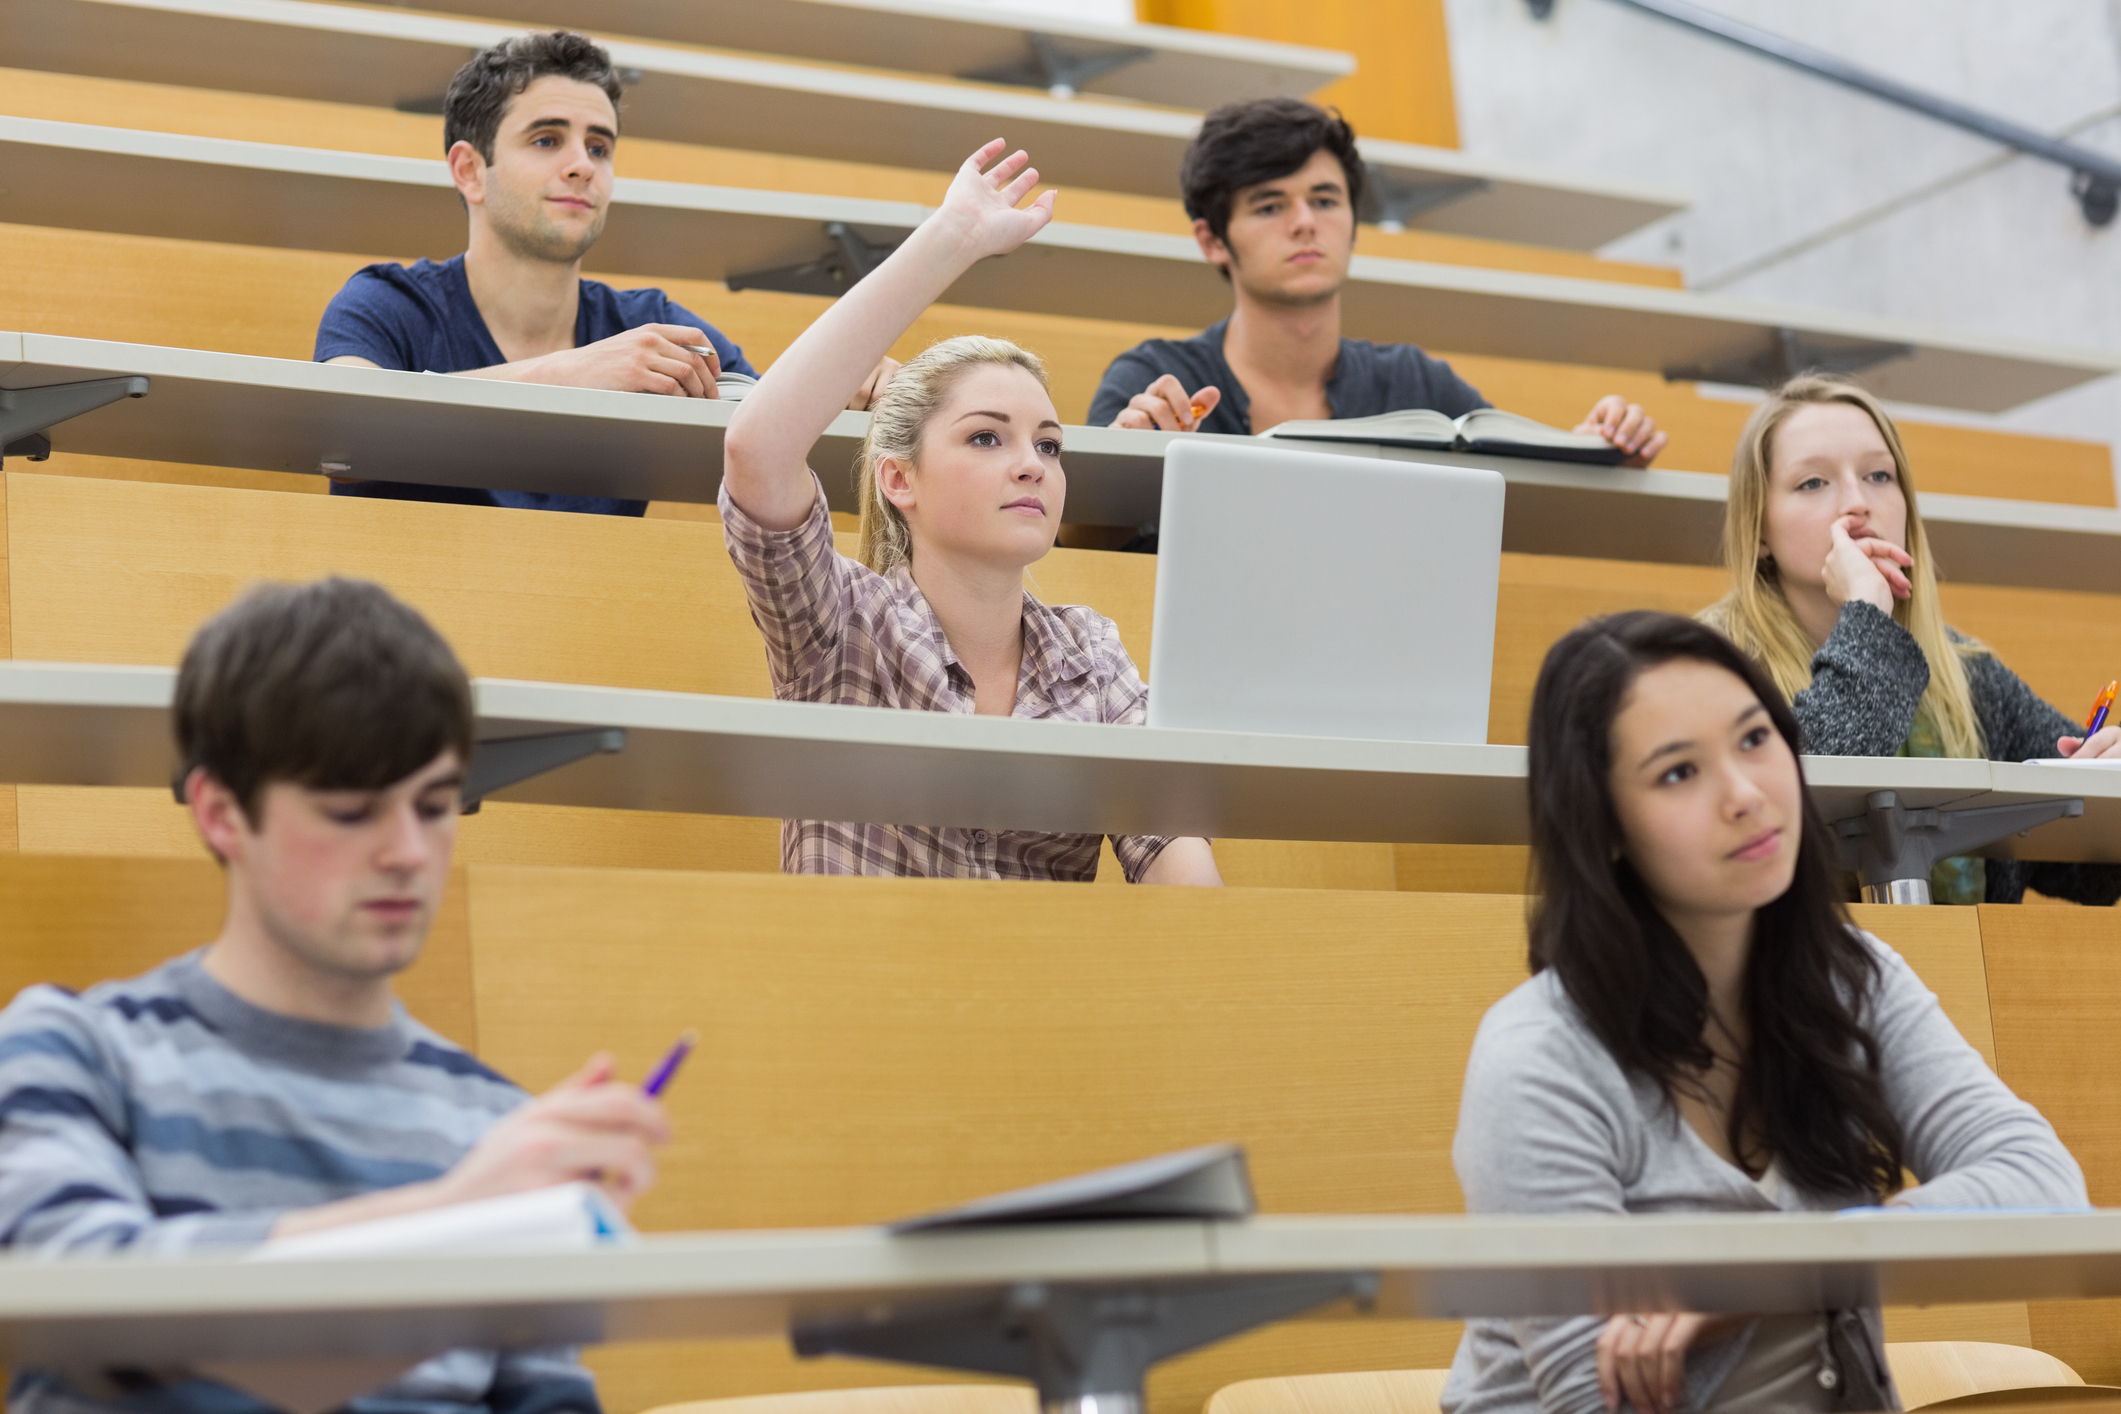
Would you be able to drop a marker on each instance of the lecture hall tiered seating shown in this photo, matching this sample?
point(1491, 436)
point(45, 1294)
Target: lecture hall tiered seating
point(879, 1047)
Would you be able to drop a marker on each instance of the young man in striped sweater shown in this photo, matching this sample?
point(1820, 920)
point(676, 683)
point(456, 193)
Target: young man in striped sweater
point(269, 1083)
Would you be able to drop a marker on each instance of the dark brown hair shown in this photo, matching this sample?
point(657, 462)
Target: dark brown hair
point(1809, 1094)
point(1243, 144)
point(479, 94)
point(333, 685)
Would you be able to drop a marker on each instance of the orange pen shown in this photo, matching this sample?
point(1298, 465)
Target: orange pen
point(2101, 705)
point(1200, 410)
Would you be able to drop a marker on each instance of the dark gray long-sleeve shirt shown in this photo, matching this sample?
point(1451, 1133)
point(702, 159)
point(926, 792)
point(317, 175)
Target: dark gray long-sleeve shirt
point(1867, 682)
point(1549, 1122)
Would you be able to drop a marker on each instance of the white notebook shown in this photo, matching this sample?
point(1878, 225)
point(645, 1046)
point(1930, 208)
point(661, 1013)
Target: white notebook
point(568, 1217)
point(1489, 430)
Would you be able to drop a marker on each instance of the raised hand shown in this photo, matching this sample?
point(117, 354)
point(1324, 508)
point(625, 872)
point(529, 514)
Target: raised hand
point(1871, 569)
point(981, 205)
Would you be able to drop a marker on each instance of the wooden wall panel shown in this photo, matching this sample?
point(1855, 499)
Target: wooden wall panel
point(2053, 976)
point(76, 922)
point(264, 301)
point(9, 839)
point(2066, 646)
point(115, 572)
point(878, 1047)
point(351, 128)
point(1402, 85)
point(1964, 461)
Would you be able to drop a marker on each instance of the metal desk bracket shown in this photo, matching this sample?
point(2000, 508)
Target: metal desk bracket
point(1061, 73)
point(502, 763)
point(1892, 848)
point(1393, 204)
point(831, 274)
point(1789, 355)
point(1087, 1347)
point(25, 412)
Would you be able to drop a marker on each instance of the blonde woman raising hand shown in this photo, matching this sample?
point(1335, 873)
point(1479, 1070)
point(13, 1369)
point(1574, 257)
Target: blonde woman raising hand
point(962, 488)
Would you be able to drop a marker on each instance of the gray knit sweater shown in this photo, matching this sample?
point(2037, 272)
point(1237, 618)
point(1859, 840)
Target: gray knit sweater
point(1866, 684)
point(1550, 1123)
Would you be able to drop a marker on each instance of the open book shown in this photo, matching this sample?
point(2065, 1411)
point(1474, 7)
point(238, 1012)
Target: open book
point(732, 387)
point(1489, 430)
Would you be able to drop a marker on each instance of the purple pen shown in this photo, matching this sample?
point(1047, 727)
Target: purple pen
point(663, 1073)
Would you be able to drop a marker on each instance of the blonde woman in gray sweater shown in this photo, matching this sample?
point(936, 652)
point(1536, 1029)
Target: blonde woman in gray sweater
point(1706, 1031)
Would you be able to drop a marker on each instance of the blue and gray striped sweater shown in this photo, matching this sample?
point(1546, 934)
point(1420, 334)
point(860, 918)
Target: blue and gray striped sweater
point(165, 1115)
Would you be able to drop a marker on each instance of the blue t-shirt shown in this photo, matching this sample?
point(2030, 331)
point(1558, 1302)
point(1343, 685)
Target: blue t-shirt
point(422, 318)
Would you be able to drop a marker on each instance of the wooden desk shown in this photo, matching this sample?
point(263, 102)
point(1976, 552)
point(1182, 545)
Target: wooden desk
point(84, 724)
point(160, 184)
point(385, 59)
point(238, 410)
point(729, 1284)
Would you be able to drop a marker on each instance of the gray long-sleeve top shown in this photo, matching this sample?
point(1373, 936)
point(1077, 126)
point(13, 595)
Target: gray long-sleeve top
point(1867, 682)
point(1550, 1123)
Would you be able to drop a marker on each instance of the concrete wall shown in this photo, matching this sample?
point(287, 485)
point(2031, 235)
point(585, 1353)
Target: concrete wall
point(1808, 193)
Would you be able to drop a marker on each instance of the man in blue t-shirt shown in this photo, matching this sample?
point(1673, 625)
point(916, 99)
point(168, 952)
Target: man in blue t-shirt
point(1272, 186)
point(530, 126)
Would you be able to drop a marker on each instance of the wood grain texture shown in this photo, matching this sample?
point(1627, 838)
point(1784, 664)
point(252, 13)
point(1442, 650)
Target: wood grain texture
point(878, 1047)
point(1462, 868)
point(1928, 1372)
point(260, 300)
point(1964, 461)
point(2066, 646)
point(76, 922)
point(10, 838)
point(146, 823)
point(1402, 84)
point(2053, 974)
point(1544, 596)
point(352, 128)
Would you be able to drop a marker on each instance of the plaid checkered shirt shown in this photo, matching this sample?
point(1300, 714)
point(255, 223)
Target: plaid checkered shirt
point(836, 631)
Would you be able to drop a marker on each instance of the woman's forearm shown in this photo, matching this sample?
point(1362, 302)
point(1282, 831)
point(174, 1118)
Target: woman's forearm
point(765, 456)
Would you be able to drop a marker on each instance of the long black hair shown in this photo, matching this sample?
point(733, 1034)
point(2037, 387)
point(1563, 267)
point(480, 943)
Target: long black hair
point(1809, 1091)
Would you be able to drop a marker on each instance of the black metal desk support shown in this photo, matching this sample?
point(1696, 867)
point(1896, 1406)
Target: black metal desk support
point(25, 412)
point(1892, 848)
point(1086, 1346)
point(502, 763)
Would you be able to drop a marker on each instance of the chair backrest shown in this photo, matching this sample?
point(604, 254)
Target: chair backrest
point(887, 1399)
point(1933, 1371)
point(1363, 1392)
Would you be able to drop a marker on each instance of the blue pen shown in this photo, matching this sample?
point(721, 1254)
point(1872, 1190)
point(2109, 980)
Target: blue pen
point(2103, 704)
point(668, 1069)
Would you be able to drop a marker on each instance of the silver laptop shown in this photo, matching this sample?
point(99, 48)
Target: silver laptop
point(1324, 595)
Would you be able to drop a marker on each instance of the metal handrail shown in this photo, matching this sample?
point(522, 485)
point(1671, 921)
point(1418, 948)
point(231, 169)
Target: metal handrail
point(2095, 178)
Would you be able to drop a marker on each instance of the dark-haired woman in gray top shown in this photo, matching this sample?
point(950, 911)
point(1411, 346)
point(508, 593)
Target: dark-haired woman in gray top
point(1705, 1031)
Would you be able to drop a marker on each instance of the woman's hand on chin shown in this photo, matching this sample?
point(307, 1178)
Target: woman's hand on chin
point(981, 205)
point(1642, 1359)
point(1871, 569)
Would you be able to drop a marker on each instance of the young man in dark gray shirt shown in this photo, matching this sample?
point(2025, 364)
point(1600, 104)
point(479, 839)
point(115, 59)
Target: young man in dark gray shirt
point(1272, 187)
